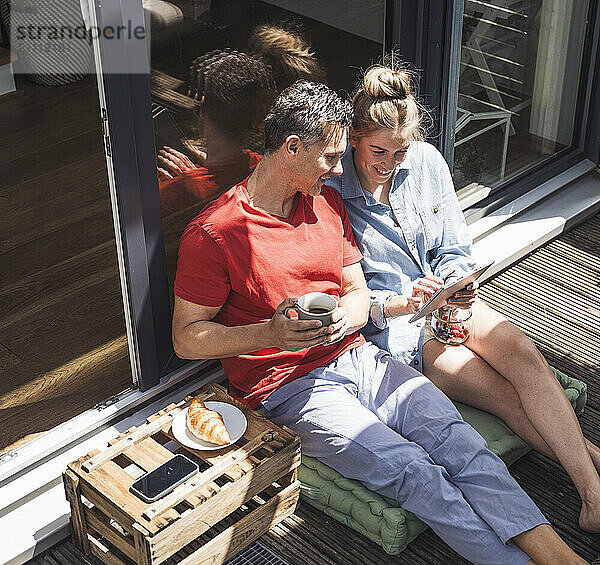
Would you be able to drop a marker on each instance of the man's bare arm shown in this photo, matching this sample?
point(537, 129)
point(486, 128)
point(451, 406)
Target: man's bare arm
point(355, 300)
point(196, 336)
point(355, 297)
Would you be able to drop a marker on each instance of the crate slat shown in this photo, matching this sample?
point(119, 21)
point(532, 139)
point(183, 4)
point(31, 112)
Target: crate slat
point(143, 552)
point(131, 439)
point(246, 530)
point(100, 523)
point(111, 485)
point(149, 454)
point(99, 550)
point(78, 524)
point(108, 508)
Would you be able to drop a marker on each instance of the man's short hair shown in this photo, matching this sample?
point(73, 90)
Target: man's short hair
point(237, 89)
point(308, 110)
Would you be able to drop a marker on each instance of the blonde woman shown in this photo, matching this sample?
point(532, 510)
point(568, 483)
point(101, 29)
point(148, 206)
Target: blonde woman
point(408, 224)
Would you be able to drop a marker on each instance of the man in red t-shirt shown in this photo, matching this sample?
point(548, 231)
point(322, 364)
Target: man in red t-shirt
point(282, 233)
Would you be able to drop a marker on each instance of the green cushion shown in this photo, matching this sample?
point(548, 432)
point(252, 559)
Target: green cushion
point(381, 519)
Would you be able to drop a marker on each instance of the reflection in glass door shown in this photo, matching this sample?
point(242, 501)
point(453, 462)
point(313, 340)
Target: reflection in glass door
point(63, 346)
point(216, 68)
point(518, 93)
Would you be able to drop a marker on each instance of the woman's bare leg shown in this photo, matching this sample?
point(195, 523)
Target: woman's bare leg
point(464, 376)
point(467, 378)
point(536, 407)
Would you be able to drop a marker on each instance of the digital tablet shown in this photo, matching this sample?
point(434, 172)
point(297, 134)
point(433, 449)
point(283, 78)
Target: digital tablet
point(438, 299)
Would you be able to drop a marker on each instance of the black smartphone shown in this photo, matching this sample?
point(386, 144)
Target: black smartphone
point(162, 480)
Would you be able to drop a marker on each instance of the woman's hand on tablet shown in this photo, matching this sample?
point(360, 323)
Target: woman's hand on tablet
point(464, 298)
point(402, 305)
point(425, 287)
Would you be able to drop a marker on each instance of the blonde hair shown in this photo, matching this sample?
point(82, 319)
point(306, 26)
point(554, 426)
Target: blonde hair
point(286, 52)
point(384, 99)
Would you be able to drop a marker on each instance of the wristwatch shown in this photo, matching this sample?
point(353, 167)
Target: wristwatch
point(379, 300)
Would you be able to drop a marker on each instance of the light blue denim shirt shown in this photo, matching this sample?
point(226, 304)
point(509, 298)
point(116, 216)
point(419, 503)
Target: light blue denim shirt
point(423, 232)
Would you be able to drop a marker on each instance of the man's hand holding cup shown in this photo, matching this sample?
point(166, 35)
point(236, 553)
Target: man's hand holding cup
point(319, 321)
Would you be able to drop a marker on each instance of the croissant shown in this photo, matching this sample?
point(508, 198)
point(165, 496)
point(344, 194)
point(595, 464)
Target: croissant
point(206, 424)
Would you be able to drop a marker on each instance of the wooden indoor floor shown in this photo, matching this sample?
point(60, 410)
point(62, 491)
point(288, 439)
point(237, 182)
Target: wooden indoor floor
point(62, 342)
point(553, 295)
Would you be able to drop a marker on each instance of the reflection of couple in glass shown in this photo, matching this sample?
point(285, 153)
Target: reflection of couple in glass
point(234, 91)
point(284, 232)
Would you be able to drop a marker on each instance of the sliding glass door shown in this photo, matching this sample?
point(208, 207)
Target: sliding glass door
point(63, 341)
point(179, 120)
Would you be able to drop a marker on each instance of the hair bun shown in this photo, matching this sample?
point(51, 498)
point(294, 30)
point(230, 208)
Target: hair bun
point(383, 82)
point(384, 99)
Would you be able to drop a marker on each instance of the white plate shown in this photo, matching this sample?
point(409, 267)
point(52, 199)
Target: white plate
point(233, 417)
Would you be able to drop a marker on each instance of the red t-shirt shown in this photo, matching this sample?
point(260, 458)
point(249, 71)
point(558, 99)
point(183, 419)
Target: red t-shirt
point(248, 261)
point(198, 185)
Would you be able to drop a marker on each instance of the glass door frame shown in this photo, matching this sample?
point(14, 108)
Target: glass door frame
point(132, 151)
point(427, 35)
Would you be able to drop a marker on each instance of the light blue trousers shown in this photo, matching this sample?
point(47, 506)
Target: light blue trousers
point(374, 419)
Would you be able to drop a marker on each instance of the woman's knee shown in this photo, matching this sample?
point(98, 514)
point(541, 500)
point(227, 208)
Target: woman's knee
point(494, 322)
point(525, 347)
point(528, 364)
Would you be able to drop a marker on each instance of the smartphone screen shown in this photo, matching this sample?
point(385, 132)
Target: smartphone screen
point(164, 478)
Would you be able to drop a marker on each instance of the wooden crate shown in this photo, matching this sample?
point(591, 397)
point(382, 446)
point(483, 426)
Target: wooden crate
point(241, 491)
